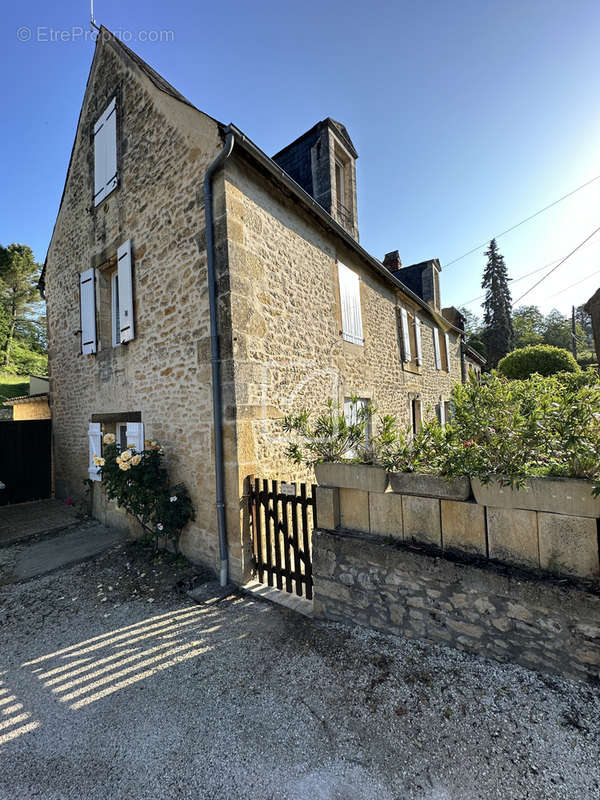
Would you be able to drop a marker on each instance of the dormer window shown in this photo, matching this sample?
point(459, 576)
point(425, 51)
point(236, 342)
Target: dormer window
point(105, 153)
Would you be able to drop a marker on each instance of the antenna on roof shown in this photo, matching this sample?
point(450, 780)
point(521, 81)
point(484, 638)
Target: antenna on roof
point(92, 20)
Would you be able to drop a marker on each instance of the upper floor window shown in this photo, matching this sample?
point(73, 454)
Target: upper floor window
point(105, 153)
point(441, 352)
point(412, 350)
point(352, 329)
point(106, 303)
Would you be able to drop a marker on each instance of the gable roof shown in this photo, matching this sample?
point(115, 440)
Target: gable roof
point(274, 169)
point(104, 35)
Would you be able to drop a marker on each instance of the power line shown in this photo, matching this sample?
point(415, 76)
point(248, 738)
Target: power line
point(514, 280)
point(520, 278)
point(522, 222)
point(566, 289)
point(543, 278)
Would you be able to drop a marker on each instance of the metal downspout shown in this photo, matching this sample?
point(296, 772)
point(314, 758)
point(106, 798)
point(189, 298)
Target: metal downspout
point(215, 357)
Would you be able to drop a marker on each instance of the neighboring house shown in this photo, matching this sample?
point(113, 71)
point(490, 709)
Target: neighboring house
point(33, 405)
point(303, 312)
point(592, 307)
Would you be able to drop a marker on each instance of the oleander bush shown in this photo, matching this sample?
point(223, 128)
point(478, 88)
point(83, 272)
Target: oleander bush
point(500, 429)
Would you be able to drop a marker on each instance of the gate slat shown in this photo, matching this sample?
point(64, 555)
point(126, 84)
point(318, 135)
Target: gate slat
point(257, 527)
point(265, 505)
point(306, 542)
point(286, 543)
point(296, 548)
point(277, 534)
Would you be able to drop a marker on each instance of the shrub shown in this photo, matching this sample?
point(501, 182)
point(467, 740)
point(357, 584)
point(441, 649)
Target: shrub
point(541, 358)
point(331, 437)
point(138, 483)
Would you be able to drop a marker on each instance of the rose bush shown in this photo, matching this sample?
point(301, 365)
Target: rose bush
point(138, 483)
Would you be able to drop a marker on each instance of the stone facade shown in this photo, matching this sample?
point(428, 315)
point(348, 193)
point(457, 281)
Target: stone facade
point(279, 307)
point(540, 623)
point(288, 349)
point(164, 146)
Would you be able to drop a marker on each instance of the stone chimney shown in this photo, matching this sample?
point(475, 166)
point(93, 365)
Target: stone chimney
point(392, 261)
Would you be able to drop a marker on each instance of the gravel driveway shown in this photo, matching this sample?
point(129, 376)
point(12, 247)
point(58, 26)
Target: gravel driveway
point(113, 684)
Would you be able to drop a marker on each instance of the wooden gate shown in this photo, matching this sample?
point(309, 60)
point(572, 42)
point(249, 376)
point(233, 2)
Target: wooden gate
point(25, 460)
point(282, 517)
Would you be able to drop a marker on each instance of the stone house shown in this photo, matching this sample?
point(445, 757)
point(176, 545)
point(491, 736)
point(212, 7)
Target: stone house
point(198, 290)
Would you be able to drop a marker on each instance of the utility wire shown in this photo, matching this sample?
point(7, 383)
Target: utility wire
point(543, 278)
point(523, 221)
point(519, 278)
point(566, 289)
point(514, 280)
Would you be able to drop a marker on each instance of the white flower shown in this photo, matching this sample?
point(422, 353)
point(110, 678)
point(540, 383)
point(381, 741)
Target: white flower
point(159, 527)
point(109, 438)
point(173, 499)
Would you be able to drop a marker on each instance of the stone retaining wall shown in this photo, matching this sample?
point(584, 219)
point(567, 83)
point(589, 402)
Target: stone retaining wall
point(538, 621)
point(558, 543)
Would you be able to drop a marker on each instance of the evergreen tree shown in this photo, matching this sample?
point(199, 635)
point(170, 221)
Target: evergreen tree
point(19, 274)
point(498, 333)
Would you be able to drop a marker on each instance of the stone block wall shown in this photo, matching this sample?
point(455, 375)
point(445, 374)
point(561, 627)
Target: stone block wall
point(562, 544)
point(541, 623)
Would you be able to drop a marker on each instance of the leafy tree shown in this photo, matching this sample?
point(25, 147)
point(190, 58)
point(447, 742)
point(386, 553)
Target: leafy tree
point(19, 274)
point(528, 326)
point(541, 358)
point(498, 335)
point(473, 331)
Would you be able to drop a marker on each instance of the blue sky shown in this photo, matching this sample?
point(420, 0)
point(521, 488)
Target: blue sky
point(467, 116)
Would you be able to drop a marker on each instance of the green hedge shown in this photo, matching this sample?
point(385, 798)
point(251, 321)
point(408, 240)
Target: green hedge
point(541, 358)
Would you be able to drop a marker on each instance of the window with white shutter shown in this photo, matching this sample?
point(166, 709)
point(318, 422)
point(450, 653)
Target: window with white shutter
point(436, 349)
point(87, 309)
point(418, 341)
point(105, 153)
point(447, 351)
point(405, 335)
point(442, 413)
point(352, 329)
point(95, 449)
point(125, 284)
point(135, 435)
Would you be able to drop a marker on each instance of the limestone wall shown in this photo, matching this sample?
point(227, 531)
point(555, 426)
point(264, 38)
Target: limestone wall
point(517, 585)
point(288, 350)
point(31, 409)
point(542, 624)
point(163, 148)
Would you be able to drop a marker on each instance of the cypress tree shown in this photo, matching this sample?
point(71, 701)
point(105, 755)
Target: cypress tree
point(498, 333)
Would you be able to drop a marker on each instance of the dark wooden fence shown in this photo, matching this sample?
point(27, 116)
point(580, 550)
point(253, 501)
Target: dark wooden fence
point(25, 460)
point(282, 517)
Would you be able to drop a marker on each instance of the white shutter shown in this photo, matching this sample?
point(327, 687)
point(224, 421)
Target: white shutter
point(126, 324)
point(135, 435)
point(87, 307)
point(352, 330)
point(442, 413)
point(447, 346)
point(436, 349)
point(405, 334)
point(105, 153)
point(418, 341)
point(95, 448)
